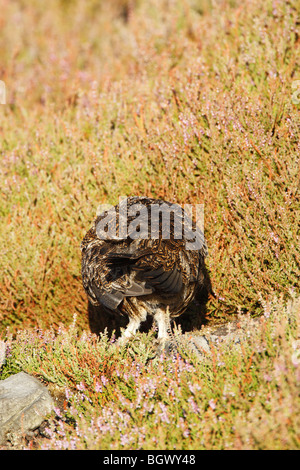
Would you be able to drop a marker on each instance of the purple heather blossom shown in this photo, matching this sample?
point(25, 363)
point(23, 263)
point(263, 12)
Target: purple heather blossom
point(212, 404)
point(164, 413)
point(98, 387)
point(57, 411)
point(104, 380)
point(193, 405)
point(80, 386)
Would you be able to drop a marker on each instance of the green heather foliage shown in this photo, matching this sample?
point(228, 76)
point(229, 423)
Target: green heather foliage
point(190, 101)
point(238, 397)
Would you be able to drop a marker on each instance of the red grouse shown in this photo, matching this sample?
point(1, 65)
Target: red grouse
point(143, 257)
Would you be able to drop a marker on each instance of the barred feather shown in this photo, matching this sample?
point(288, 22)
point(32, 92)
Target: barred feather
point(130, 274)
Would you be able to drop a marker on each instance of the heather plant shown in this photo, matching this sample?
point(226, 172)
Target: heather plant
point(189, 102)
point(239, 395)
point(194, 102)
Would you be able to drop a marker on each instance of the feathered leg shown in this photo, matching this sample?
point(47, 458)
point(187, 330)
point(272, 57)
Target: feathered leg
point(132, 327)
point(165, 335)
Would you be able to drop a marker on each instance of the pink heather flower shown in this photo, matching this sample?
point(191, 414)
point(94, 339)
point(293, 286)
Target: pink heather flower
point(80, 386)
point(193, 405)
point(104, 380)
point(125, 439)
point(212, 404)
point(57, 411)
point(164, 415)
point(267, 377)
point(50, 432)
point(98, 387)
point(61, 429)
point(194, 388)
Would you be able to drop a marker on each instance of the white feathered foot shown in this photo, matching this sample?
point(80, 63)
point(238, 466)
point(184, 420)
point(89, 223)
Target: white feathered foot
point(165, 337)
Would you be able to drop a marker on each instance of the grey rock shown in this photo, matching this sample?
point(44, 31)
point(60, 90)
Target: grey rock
point(24, 404)
point(232, 333)
point(199, 344)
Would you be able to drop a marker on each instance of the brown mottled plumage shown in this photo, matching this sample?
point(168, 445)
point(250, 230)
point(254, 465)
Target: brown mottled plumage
point(141, 272)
